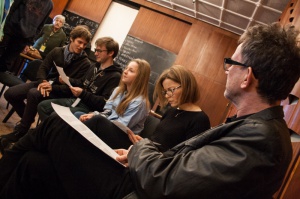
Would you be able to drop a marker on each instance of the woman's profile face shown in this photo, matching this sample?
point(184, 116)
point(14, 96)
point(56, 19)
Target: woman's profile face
point(130, 73)
point(172, 92)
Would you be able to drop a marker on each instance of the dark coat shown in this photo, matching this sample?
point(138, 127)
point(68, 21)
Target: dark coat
point(246, 158)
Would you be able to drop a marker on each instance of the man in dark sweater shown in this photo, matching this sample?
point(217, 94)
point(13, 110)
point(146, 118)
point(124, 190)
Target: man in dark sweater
point(51, 36)
point(24, 21)
point(96, 87)
point(75, 64)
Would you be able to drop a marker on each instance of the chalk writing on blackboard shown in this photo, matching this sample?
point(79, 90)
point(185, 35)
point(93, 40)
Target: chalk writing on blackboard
point(72, 20)
point(158, 58)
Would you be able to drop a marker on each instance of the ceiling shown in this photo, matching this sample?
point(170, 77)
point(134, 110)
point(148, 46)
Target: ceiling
point(232, 15)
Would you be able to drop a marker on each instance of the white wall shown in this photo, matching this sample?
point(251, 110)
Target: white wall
point(116, 23)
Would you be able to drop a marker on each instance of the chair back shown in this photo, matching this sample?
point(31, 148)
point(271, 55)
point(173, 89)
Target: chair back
point(30, 72)
point(149, 126)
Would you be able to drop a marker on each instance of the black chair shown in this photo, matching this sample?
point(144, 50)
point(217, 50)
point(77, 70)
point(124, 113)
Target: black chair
point(149, 126)
point(8, 79)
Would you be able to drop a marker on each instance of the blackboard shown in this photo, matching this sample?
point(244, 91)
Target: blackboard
point(72, 20)
point(158, 58)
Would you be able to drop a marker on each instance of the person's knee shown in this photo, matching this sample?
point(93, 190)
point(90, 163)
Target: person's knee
point(34, 95)
point(44, 109)
point(12, 94)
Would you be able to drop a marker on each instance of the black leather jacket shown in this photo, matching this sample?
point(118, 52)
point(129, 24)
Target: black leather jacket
point(246, 158)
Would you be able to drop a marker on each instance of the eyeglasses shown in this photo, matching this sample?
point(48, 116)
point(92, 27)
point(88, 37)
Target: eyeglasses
point(170, 91)
point(228, 62)
point(99, 50)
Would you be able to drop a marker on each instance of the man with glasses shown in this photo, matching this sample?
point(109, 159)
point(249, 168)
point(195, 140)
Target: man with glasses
point(95, 87)
point(245, 158)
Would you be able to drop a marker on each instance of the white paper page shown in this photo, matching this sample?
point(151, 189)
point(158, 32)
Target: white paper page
point(76, 102)
point(68, 117)
point(62, 74)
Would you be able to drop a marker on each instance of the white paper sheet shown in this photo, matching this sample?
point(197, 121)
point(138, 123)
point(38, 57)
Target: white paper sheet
point(68, 117)
point(62, 74)
point(76, 102)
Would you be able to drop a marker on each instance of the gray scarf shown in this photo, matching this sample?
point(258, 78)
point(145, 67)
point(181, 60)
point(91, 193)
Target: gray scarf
point(69, 57)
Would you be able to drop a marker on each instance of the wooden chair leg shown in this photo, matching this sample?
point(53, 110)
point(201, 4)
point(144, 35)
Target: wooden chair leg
point(9, 114)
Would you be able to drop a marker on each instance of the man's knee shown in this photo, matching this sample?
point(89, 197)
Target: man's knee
point(34, 95)
point(9, 94)
point(44, 107)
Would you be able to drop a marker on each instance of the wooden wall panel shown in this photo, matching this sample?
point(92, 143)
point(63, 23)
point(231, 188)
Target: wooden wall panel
point(203, 53)
point(91, 9)
point(58, 7)
point(291, 15)
point(165, 10)
point(160, 30)
point(290, 185)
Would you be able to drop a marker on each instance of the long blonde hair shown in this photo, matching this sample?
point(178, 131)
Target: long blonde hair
point(139, 86)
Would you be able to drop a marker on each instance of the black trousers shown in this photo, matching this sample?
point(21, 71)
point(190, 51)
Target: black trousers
point(79, 169)
point(16, 95)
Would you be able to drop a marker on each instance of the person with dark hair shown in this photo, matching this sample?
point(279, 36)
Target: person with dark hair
point(178, 88)
point(96, 86)
point(23, 22)
point(51, 36)
point(244, 158)
point(75, 64)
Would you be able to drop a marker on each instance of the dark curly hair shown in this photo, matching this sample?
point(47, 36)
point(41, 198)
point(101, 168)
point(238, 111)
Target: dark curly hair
point(272, 52)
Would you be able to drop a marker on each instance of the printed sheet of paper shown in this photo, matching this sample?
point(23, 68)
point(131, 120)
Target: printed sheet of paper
point(62, 74)
point(68, 117)
point(65, 78)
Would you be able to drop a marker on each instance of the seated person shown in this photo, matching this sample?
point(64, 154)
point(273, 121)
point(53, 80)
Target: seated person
point(96, 86)
point(51, 36)
point(75, 64)
point(178, 87)
point(245, 158)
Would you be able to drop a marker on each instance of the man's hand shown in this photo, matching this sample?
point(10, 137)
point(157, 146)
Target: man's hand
point(86, 117)
point(76, 91)
point(133, 138)
point(122, 158)
point(45, 88)
point(26, 49)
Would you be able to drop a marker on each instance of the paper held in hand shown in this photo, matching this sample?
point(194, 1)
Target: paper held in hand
point(62, 74)
point(69, 118)
point(65, 78)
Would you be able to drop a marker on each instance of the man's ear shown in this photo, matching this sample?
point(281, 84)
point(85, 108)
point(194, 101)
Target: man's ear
point(248, 78)
point(111, 53)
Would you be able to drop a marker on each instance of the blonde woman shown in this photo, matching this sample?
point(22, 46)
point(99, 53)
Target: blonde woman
point(128, 105)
